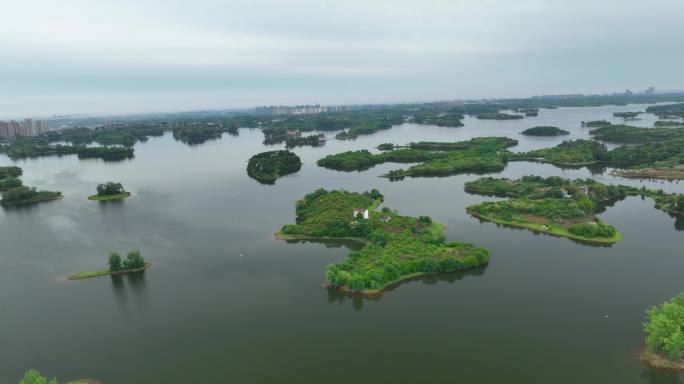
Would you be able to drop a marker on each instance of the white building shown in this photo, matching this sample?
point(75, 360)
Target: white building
point(361, 211)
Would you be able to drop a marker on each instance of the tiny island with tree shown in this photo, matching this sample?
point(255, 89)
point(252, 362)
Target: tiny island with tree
point(110, 191)
point(134, 262)
point(545, 130)
point(267, 167)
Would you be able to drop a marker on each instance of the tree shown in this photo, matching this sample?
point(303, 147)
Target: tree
point(114, 262)
point(34, 377)
point(110, 188)
point(134, 260)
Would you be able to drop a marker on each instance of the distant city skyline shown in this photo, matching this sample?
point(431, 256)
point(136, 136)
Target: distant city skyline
point(126, 57)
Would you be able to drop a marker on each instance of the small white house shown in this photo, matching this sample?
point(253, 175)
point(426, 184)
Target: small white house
point(362, 211)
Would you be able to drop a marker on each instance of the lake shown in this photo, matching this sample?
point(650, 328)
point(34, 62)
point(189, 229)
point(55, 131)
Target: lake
point(226, 302)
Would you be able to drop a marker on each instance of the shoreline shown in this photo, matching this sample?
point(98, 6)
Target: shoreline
point(118, 196)
point(282, 236)
point(90, 275)
point(657, 361)
point(538, 228)
point(19, 203)
point(375, 293)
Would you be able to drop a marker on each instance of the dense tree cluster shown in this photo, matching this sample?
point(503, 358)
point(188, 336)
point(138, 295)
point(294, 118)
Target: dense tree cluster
point(667, 111)
point(267, 167)
point(26, 195)
point(396, 246)
point(629, 134)
point(134, 260)
point(665, 328)
point(110, 188)
point(545, 130)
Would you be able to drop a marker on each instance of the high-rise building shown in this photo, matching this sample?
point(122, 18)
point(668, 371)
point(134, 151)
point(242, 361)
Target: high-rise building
point(4, 130)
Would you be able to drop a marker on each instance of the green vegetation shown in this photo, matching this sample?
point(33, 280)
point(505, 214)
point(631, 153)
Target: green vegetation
point(627, 115)
point(27, 195)
point(34, 377)
point(499, 116)
point(396, 247)
point(110, 191)
point(30, 147)
point(9, 178)
point(483, 154)
point(629, 134)
point(578, 152)
point(368, 127)
point(596, 123)
point(7, 172)
point(545, 130)
point(299, 141)
point(560, 206)
point(665, 330)
point(267, 167)
point(668, 123)
point(440, 119)
point(668, 111)
point(134, 262)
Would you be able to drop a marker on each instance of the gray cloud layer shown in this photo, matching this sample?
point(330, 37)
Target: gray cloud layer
point(134, 56)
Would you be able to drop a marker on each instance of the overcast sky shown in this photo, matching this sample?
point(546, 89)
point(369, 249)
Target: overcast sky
point(126, 56)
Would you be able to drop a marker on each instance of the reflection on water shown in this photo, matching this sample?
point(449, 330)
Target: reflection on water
point(660, 376)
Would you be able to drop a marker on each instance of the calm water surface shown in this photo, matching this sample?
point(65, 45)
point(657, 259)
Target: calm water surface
point(225, 302)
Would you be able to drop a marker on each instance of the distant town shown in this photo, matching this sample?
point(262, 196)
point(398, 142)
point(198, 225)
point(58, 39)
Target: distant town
point(28, 127)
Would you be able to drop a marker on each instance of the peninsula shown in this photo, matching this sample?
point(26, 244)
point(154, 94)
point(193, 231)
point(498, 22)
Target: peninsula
point(395, 247)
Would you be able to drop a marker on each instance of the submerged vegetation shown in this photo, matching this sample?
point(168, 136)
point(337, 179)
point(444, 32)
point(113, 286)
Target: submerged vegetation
point(545, 130)
point(267, 167)
point(396, 247)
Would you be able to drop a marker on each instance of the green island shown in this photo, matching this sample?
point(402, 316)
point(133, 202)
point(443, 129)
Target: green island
point(133, 263)
point(440, 119)
point(627, 115)
point(367, 128)
point(267, 167)
point(630, 134)
point(32, 376)
point(482, 154)
point(9, 178)
point(667, 111)
point(568, 153)
point(109, 191)
point(545, 130)
point(664, 329)
point(395, 247)
point(499, 116)
point(596, 123)
point(668, 123)
point(560, 207)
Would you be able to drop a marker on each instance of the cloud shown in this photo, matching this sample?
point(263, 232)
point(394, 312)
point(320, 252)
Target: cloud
point(100, 55)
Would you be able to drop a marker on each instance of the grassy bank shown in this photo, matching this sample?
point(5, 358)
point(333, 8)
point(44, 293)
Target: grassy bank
point(118, 196)
point(549, 228)
point(89, 275)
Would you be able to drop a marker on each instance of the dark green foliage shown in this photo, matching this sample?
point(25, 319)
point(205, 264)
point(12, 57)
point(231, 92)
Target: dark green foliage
point(668, 123)
point(266, 167)
point(9, 183)
point(386, 147)
point(499, 116)
point(299, 141)
point(110, 188)
point(133, 261)
point(592, 229)
point(438, 118)
point(627, 115)
point(26, 195)
point(667, 111)
point(665, 328)
point(596, 123)
point(545, 131)
point(396, 246)
point(629, 134)
point(105, 153)
point(567, 153)
point(114, 262)
point(6, 172)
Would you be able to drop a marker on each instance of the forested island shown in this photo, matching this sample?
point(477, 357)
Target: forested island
point(560, 207)
point(667, 111)
point(664, 329)
point(483, 154)
point(15, 193)
point(499, 116)
point(596, 123)
point(133, 263)
point(31, 147)
point(627, 115)
point(267, 167)
point(395, 247)
point(630, 134)
point(110, 191)
point(545, 130)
